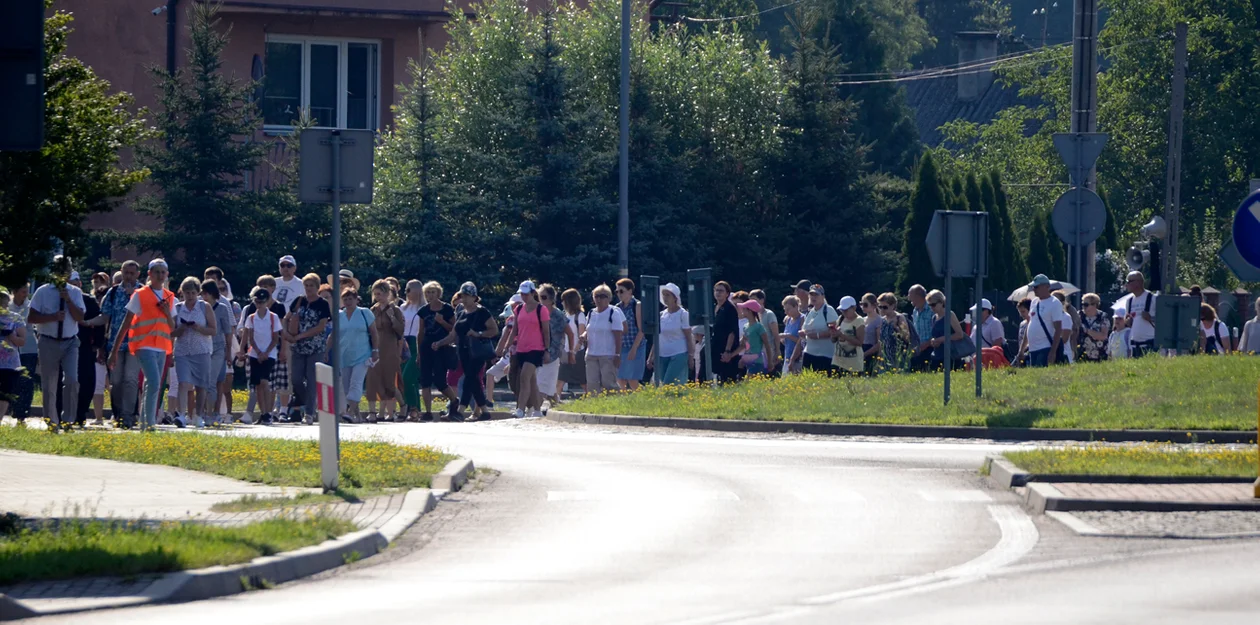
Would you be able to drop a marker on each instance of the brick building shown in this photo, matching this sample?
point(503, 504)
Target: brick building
point(341, 59)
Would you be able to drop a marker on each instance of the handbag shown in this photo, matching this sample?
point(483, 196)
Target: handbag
point(962, 348)
point(481, 348)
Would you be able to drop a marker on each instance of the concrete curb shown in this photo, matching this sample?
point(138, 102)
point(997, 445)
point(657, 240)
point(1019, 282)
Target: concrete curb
point(1005, 474)
point(454, 476)
point(1083, 528)
point(260, 573)
point(909, 431)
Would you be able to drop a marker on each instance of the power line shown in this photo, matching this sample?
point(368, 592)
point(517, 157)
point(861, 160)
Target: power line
point(980, 67)
point(703, 20)
point(952, 66)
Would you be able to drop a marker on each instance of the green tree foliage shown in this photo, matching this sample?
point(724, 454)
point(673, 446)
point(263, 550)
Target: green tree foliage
point(1134, 86)
point(208, 214)
point(46, 195)
point(1014, 266)
point(997, 242)
point(1040, 259)
point(927, 198)
point(819, 178)
point(870, 38)
point(971, 191)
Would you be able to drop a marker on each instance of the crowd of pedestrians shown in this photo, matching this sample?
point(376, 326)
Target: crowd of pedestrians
point(409, 344)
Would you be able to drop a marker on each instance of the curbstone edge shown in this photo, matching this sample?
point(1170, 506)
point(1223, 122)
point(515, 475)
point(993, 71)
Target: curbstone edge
point(453, 476)
point(910, 431)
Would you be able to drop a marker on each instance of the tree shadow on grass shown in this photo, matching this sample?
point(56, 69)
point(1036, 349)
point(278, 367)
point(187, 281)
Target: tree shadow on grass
point(1021, 418)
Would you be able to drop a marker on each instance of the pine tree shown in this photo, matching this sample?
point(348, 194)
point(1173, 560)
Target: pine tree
point(1058, 253)
point(997, 243)
point(925, 200)
point(971, 190)
point(958, 194)
point(207, 213)
point(819, 174)
point(1040, 260)
point(1013, 260)
point(1109, 239)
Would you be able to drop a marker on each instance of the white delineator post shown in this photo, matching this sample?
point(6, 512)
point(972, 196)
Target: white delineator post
point(326, 411)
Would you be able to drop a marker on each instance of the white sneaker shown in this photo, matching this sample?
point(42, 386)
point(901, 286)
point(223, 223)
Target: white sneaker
point(519, 414)
point(247, 419)
point(534, 414)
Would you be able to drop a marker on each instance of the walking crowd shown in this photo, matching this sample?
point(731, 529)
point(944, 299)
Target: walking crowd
point(409, 344)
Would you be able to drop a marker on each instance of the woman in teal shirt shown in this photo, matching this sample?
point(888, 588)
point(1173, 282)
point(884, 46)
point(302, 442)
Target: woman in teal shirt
point(357, 343)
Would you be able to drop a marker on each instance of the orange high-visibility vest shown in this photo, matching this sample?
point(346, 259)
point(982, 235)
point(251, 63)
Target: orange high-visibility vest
point(151, 328)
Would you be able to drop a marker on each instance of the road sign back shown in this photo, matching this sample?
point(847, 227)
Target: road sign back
point(1080, 150)
point(958, 241)
point(1092, 218)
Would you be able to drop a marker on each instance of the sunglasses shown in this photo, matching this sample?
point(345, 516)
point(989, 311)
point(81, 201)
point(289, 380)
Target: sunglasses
point(882, 307)
point(935, 304)
point(601, 296)
point(287, 266)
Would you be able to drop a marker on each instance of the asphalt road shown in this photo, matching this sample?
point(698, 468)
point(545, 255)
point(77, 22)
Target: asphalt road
point(609, 527)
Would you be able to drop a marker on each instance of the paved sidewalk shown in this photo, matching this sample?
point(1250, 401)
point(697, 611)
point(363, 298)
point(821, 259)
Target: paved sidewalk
point(36, 485)
point(1215, 492)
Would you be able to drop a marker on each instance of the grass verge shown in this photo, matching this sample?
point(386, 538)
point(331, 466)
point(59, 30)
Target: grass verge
point(249, 503)
point(1176, 394)
point(72, 549)
point(1143, 460)
point(370, 465)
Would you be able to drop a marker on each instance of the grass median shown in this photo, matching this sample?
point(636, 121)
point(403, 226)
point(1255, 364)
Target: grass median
point(365, 465)
point(70, 549)
point(1138, 460)
point(1176, 394)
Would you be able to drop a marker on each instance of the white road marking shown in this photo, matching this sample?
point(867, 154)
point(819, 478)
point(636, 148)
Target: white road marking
point(617, 495)
point(1019, 536)
point(833, 495)
point(955, 496)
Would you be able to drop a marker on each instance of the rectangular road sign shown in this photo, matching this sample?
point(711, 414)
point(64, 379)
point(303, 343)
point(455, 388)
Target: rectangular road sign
point(358, 149)
point(958, 241)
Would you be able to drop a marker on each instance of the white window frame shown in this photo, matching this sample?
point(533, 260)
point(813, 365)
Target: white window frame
point(343, 62)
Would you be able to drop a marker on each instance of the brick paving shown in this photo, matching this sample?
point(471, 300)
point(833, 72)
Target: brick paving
point(1218, 492)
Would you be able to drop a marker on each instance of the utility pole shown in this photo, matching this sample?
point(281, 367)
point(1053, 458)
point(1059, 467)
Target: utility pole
point(623, 214)
point(1172, 198)
point(1085, 111)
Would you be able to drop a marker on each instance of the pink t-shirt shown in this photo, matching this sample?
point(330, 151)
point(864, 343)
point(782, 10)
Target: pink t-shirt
point(529, 336)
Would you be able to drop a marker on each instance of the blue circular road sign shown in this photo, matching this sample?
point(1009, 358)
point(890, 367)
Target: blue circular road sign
point(1247, 229)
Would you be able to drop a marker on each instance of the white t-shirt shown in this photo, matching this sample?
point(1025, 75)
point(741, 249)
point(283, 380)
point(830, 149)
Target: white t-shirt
point(192, 342)
point(287, 291)
point(599, 332)
point(1212, 331)
point(577, 323)
point(816, 323)
point(673, 341)
point(1046, 311)
point(412, 323)
point(263, 329)
point(1143, 330)
point(992, 332)
point(133, 307)
point(47, 301)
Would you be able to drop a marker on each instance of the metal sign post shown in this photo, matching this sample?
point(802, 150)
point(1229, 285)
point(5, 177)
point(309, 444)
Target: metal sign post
point(958, 246)
point(341, 171)
point(700, 310)
point(650, 301)
point(1079, 215)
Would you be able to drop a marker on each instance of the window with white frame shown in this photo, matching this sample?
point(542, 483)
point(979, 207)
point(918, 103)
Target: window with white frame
point(336, 80)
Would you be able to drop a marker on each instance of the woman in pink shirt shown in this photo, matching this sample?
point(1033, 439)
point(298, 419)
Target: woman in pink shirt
point(532, 333)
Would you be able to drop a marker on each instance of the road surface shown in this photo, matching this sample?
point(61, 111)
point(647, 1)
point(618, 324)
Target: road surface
point(624, 527)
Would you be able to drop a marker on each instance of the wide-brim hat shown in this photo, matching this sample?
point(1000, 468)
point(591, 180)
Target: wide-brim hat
point(347, 279)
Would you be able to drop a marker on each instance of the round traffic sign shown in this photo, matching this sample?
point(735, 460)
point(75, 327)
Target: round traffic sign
point(1084, 229)
point(1247, 229)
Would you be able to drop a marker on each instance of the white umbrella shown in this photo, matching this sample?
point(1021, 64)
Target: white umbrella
point(1024, 291)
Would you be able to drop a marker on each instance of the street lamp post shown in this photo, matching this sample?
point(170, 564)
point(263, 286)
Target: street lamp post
point(623, 214)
